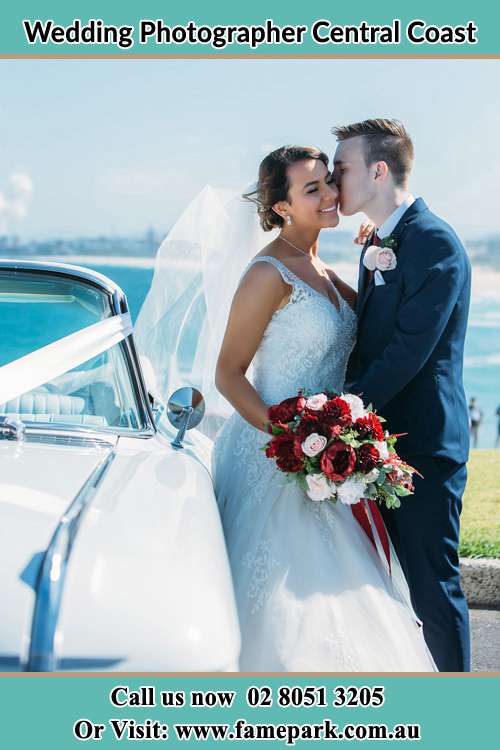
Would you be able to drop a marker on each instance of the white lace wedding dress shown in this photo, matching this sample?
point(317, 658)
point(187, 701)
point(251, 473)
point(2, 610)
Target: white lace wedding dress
point(311, 591)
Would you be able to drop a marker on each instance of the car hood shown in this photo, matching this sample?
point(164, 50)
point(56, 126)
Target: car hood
point(38, 481)
point(148, 584)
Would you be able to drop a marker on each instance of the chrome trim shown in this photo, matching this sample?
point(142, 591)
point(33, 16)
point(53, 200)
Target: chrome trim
point(50, 584)
point(88, 663)
point(76, 441)
point(90, 432)
point(66, 269)
point(118, 304)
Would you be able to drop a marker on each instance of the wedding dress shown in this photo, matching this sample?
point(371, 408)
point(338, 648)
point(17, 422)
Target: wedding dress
point(311, 589)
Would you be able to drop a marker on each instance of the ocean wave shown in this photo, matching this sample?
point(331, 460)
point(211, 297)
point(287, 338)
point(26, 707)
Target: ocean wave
point(483, 323)
point(482, 360)
point(485, 283)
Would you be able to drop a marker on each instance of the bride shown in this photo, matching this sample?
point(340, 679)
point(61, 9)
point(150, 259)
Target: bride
point(311, 591)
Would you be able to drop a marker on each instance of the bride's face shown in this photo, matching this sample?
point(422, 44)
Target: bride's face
point(312, 196)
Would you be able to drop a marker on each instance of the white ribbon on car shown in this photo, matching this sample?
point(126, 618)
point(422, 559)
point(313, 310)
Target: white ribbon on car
point(55, 359)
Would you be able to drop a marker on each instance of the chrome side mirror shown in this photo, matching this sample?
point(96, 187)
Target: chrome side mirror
point(185, 410)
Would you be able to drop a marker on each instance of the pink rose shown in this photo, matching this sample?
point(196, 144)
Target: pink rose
point(314, 444)
point(316, 402)
point(385, 259)
point(381, 258)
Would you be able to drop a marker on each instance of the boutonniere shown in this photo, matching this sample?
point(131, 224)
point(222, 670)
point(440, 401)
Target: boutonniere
point(382, 257)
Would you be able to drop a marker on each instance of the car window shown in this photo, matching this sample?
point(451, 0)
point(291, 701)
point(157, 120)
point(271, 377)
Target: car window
point(37, 309)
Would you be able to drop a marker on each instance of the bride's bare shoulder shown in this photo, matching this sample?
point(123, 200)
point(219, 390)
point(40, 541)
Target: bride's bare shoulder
point(262, 276)
point(271, 249)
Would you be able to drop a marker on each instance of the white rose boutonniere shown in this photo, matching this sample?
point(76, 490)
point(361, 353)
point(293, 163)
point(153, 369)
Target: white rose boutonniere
point(383, 257)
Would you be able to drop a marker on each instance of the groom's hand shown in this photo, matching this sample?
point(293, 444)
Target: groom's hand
point(364, 232)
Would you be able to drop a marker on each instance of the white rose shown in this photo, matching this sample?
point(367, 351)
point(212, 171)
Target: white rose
point(372, 476)
point(316, 402)
point(382, 448)
point(356, 406)
point(314, 444)
point(351, 490)
point(318, 487)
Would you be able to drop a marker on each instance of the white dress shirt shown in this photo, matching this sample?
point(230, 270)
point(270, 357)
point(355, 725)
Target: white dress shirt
point(390, 223)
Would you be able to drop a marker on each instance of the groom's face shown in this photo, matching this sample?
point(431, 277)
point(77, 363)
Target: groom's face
point(354, 179)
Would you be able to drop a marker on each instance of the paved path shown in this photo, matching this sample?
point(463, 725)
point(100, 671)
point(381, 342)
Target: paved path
point(485, 631)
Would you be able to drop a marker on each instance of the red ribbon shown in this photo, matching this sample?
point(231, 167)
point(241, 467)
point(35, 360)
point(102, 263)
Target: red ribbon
point(360, 513)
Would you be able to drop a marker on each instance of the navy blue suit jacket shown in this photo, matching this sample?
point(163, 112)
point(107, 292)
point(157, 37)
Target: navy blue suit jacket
point(408, 359)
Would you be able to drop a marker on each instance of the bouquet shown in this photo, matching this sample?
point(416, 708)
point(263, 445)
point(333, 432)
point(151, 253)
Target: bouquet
point(336, 449)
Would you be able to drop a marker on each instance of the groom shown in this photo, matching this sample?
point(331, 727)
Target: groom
point(408, 363)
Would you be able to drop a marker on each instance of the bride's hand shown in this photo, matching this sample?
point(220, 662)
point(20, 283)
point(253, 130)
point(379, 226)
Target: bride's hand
point(364, 232)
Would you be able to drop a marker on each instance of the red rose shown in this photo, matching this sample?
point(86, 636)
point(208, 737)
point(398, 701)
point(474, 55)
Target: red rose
point(370, 427)
point(328, 429)
point(287, 450)
point(308, 424)
point(287, 409)
point(338, 461)
point(336, 411)
point(368, 457)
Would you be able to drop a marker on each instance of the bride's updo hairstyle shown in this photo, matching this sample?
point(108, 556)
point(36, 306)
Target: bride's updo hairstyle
point(273, 184)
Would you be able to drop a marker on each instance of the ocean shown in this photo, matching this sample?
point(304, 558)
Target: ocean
point(482, 349)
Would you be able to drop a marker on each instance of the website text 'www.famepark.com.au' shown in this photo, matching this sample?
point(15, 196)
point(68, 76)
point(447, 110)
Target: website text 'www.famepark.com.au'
point(289, 734)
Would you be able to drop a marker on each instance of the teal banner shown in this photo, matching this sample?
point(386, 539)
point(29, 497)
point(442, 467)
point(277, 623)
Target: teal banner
point(280, 29)
point(62, 712)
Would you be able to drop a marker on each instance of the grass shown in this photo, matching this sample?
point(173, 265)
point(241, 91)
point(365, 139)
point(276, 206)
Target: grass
point(480, 520)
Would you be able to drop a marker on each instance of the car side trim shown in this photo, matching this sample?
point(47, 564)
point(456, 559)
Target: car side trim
point(51, 578)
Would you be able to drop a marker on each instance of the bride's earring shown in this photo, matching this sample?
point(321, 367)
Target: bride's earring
point(289, 221)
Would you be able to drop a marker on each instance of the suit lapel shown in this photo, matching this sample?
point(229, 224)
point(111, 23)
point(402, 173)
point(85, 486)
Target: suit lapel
point(416, 208)
point(365, 297)
point(364, 291)
point(362, 288)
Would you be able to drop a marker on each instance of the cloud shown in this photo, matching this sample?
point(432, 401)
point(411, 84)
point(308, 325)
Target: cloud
point(15, 199)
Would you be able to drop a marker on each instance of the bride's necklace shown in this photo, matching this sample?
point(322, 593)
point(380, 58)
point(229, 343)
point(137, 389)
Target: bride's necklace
point(304, 252)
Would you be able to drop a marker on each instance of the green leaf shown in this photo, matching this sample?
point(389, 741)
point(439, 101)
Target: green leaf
point(403, 492)
point(371, 491)
point(275, 430)
point(349, 439)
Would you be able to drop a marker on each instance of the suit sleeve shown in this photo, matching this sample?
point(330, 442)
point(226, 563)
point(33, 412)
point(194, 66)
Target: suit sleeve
point(430, 294)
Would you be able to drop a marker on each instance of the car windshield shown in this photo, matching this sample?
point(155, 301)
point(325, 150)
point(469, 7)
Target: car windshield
point(37, 309)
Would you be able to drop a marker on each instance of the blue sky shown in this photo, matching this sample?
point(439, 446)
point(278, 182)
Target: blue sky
point(115, 146)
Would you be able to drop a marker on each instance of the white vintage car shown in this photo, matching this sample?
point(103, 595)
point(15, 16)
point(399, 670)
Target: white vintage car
point(112, 555)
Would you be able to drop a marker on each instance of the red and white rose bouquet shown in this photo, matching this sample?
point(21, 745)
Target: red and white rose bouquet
point(336, 449)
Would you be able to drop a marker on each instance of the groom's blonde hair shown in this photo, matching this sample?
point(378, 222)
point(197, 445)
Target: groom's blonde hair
point(383, 140)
